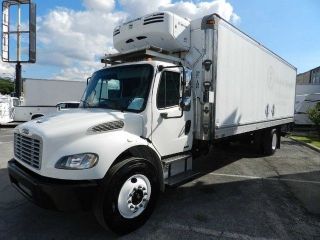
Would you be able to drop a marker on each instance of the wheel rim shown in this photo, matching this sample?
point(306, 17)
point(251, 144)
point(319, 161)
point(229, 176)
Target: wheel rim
point(274, 141)
point(134, 196)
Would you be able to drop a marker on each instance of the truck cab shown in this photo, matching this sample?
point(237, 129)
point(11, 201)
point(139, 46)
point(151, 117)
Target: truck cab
point(135, 113)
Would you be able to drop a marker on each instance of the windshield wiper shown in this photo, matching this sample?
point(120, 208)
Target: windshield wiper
point(85, 103)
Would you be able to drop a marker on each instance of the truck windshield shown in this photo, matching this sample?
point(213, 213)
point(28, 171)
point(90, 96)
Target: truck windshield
point(120, 88)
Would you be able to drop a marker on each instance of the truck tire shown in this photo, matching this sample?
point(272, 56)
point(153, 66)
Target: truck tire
point(270, 142)
point(258, 140)
point(127, 199)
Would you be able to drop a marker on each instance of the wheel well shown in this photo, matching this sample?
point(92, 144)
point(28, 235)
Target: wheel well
point(36, 116)
point(146, 153)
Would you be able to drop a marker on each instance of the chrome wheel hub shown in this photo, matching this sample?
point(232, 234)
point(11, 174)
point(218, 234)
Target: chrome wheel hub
point(134, 196)
point(274, 141)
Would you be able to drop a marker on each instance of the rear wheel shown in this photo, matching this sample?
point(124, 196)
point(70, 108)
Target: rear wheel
point(270, 142)
point(127, 201)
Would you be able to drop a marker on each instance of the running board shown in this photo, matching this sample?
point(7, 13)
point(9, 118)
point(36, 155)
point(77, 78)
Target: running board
point(177, 169)
point(181, 178)
point(176, 158)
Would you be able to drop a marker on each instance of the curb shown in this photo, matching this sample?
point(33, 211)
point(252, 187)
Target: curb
point(307, 145)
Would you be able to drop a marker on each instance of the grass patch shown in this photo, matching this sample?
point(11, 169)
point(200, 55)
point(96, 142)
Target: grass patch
point(315, 141)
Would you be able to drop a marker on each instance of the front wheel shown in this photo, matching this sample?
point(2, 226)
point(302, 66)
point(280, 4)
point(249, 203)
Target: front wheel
point(127, 201)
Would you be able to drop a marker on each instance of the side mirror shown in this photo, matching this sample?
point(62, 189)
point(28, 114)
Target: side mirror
point(185, 104)
point(187, 83)
point(88, 80)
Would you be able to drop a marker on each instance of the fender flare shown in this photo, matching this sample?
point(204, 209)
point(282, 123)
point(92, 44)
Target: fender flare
point(140, 151)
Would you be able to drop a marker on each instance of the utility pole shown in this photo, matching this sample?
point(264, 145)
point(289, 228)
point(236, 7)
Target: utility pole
point(18, 82)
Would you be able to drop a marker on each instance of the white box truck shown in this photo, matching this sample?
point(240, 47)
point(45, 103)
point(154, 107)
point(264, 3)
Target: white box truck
point(145, 119)
point(44, 96)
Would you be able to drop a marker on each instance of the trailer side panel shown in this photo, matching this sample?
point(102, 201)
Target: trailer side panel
point(255, 88)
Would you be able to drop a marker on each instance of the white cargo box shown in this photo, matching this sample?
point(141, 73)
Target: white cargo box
point(162, 29)
point(252, 87)
point(255, 88)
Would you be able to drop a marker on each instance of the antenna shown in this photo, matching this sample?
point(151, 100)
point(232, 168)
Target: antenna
point(18, 35)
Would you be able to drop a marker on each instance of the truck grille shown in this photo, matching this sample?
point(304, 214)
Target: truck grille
point(27, 150)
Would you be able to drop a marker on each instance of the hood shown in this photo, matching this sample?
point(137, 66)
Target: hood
point(79, 121)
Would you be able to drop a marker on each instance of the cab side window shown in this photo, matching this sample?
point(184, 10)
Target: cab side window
point(169, 90)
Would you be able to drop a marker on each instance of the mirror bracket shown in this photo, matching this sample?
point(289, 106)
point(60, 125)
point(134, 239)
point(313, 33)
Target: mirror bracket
point(88, 80)
point(164, 115)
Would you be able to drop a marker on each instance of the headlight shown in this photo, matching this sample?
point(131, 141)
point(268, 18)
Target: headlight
point(78, 161)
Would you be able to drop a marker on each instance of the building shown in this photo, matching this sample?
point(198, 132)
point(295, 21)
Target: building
point(310, 77)
point(307, 95)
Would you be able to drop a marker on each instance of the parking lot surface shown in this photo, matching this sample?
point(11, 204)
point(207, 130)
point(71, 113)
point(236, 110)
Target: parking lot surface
point(240, 195)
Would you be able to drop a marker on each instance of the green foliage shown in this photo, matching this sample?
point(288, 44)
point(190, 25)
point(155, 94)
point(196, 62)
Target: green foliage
point(314, 116)
point(6, 86)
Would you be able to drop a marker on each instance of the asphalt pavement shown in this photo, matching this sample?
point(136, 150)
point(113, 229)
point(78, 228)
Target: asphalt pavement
point(240, 195)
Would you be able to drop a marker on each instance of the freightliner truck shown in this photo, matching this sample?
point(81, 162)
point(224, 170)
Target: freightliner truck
point(175, 88)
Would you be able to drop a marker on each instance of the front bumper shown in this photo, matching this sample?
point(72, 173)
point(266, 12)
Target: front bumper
point(50, 193)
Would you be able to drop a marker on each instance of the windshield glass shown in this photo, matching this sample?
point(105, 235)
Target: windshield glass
point(120, 88)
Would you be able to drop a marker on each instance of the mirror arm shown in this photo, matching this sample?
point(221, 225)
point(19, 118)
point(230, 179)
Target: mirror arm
point(88, 79)
point(165, 115)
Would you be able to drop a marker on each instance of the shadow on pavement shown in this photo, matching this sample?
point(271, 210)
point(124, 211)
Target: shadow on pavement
point(209, 207)
point(219, 157)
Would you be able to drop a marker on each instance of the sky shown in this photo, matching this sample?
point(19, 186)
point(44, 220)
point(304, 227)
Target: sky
point(72, 35)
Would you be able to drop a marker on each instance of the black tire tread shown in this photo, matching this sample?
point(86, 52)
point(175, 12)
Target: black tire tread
point(267, 142)
point(108, 216)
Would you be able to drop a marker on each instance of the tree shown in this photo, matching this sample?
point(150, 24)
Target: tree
point(314, 116)
point(6, 86)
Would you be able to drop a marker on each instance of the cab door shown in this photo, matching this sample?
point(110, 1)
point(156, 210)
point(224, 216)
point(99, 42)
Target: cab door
point(171, 132)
